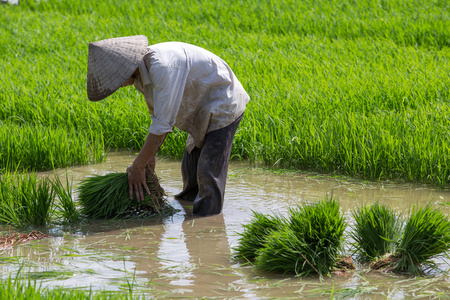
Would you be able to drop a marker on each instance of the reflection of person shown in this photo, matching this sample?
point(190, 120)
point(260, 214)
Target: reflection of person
point(184, 86)
point(212, 255)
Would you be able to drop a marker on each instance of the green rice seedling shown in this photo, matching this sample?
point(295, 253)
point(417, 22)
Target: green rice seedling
point(308, 244)
point(359, 88)
point(284, 252)
point(255, 234)
point(28, 289)
point(8, 195)
point(25, 200)
point(426, 236)
point(37, 200)
point(37, 147)
point(103, 197)
point(66, 204)
point(377, 231)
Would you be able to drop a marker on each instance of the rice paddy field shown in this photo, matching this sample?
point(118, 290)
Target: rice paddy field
point(353, 87)
point(191, 258)
point(344, 88)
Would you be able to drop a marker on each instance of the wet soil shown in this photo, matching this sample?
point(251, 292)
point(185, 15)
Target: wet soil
point(182, 256)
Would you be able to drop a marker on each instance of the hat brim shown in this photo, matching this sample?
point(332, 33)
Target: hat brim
point(111, 63)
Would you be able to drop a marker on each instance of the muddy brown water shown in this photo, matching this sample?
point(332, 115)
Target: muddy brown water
point(185, 257)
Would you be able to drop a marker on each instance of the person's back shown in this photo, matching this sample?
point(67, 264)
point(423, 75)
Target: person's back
point(190, 88)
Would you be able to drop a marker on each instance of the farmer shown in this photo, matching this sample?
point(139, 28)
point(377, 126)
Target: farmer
point(184, 86)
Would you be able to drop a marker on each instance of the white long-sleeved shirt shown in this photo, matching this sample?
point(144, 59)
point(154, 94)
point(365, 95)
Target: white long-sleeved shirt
point(191, 88)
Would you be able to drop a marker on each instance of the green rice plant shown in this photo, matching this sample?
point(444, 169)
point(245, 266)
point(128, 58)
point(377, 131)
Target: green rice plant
point(37, 147)
point(308, 244)
point(25, 200)
point(37, 200)
point(8, 195)
point(376, 232)
point(384, 238)
point(28, 289)
point(284, 252)
point(426, 236)
point(103, 197)
point(359, 87)
point(255, 234)
point(65, 203)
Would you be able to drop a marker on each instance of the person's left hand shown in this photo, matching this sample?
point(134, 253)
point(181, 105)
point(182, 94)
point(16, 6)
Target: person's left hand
point(136, 181)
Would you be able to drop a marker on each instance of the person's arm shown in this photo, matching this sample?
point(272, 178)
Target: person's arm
point(169, 83)
point(136, 172)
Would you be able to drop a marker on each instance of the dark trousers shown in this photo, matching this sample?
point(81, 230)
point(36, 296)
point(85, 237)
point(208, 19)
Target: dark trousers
point(205, 171)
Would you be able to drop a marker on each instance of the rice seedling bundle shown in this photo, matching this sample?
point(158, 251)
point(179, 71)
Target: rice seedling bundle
point(255, 234)
point(426, 235)
point(306, 243)
point(104, 197)
point(381, 238)
point(377, 231)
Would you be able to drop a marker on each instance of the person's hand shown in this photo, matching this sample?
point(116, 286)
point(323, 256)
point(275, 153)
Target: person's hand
point(136, 181)
point(136, 172)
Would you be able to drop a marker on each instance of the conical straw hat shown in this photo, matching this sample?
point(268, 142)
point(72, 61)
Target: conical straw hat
point(111, 63)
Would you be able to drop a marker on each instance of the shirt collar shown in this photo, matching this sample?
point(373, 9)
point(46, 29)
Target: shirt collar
point(143, 70)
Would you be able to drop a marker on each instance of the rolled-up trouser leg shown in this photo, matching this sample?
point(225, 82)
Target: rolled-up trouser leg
point(209, 167)
point(189, 174)
point(212, 169)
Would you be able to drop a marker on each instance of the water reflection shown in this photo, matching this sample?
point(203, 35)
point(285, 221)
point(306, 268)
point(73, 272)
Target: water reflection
point(183, 256)
point(202, 254)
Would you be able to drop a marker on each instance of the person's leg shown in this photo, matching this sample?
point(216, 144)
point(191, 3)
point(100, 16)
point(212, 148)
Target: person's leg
point(189, 175)
point(212, 169)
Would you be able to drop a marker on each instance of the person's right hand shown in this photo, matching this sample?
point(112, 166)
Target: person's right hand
point(137, 182)
point(136, 172)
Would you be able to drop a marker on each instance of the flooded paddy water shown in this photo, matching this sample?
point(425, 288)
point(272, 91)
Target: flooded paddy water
point(184, 257)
